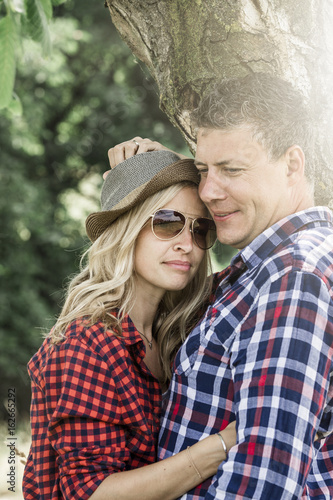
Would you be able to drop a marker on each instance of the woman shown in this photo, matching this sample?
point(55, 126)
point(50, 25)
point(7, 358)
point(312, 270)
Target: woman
point(97, 378)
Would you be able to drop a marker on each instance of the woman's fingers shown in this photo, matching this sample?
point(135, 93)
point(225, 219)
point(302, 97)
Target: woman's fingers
point(129, 148)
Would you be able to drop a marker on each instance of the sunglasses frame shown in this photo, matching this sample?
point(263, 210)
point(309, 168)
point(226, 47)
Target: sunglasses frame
point(185, 223)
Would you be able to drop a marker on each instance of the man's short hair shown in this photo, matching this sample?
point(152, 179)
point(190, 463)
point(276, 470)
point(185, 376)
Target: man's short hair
point(272, 108)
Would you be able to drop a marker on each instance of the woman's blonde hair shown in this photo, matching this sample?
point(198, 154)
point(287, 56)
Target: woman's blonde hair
point(107, 283)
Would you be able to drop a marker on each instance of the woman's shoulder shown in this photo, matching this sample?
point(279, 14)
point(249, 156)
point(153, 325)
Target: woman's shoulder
point(81, 339)
point(97, 337)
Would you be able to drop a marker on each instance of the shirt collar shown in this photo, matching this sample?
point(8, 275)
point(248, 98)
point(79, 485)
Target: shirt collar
point(264, 244)
point(129, 333)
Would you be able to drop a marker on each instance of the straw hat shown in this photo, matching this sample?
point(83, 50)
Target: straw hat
point(133, 181)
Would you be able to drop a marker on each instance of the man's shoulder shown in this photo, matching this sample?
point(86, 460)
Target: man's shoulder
point(312, 249)
point(307, 250)
point(310, 242)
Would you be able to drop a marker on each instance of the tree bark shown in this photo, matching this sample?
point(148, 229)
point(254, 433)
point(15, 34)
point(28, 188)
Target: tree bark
point(188, 44)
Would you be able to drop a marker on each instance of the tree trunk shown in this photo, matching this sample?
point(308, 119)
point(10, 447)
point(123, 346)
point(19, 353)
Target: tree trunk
point(187, 44)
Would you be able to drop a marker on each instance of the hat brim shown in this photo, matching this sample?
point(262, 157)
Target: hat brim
point(180, 171)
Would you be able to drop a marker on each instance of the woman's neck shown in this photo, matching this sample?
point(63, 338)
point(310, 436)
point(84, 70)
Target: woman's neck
point(144, 309)
point(143, 314)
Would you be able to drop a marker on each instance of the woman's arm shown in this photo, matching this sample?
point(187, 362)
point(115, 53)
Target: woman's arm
point(134, 146)
point(172, 477)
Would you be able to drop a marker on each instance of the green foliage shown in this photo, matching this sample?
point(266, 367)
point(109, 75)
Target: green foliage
point(7, 60)
point(86, 97)
point(21, 19)
point(37, 16)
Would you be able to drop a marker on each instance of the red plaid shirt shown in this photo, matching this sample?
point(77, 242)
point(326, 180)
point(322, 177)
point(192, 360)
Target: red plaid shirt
point(95, 410)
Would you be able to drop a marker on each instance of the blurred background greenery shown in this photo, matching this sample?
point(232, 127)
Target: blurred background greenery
point(89, 94)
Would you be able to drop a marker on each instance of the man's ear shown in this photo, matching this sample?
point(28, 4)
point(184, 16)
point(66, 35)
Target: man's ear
point(295, 160)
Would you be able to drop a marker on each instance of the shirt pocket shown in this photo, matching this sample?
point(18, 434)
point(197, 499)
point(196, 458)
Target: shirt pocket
point(209, 343)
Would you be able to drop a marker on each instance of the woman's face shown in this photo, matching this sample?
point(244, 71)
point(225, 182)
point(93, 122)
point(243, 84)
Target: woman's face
point(170, 265)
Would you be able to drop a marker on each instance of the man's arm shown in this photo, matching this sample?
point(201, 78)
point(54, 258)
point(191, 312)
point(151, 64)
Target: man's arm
point(281, 367)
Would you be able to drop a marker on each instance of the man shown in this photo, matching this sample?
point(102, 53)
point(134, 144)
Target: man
point(263, 351)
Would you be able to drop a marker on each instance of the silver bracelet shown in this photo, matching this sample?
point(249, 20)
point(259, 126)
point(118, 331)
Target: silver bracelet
point(223, 443)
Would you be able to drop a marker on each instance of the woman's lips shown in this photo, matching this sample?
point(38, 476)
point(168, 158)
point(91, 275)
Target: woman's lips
point(180, 265)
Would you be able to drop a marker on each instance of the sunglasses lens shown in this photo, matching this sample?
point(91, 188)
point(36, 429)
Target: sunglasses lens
point(167, 224)
point(204, 233)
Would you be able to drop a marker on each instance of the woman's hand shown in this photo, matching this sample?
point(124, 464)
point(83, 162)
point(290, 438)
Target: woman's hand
point(170, 478)
point(134, 146)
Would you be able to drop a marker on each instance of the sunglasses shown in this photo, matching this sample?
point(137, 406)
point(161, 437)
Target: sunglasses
point(166, 224)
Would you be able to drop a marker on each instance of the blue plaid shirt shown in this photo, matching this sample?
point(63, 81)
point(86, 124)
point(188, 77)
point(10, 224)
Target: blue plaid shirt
point(263, 354)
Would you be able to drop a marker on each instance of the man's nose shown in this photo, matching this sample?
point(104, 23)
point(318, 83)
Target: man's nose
point(212, 188)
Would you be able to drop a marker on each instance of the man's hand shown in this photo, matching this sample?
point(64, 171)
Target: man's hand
point(134, 146)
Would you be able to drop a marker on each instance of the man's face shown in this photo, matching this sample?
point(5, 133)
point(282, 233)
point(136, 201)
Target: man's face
point(244, 191)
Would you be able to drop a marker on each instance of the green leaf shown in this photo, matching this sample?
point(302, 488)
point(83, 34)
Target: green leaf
point(37, 12)
point(58, 2)
point(17, 6)
point(47, 6)
point(7, 60)
point(15, 105)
